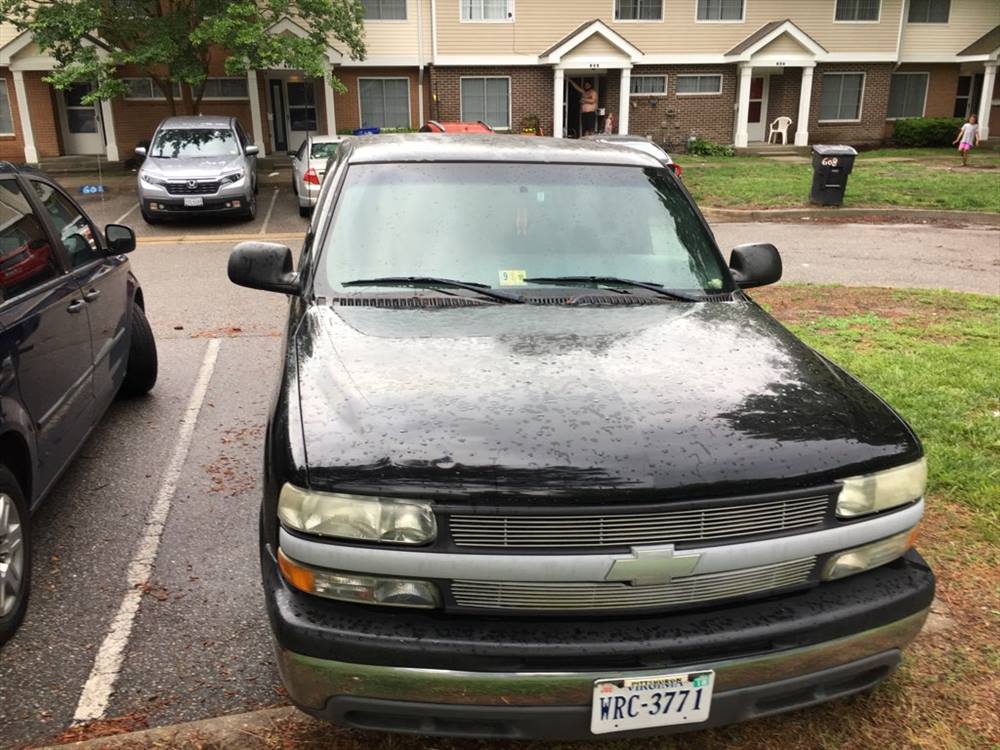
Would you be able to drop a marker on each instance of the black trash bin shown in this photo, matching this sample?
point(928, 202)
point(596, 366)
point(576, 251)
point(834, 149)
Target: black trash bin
point(831, 165)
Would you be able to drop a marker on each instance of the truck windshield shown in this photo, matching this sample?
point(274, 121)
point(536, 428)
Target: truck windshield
point(187, 143)
point(498, 223)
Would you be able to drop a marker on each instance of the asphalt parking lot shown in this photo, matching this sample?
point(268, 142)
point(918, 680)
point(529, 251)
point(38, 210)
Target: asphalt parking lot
point(198, 644)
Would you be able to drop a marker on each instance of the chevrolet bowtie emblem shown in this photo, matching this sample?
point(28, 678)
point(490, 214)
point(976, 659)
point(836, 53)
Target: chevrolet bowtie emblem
point(650, 565)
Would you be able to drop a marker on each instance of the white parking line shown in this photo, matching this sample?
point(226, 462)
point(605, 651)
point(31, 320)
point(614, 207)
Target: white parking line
point(121, 218)
point(274, 197)
point(108, 662)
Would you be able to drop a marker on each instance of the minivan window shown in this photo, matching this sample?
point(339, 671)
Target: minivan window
point(487, 222)
point(26, 257)
point(78, 236)
point(188, 143)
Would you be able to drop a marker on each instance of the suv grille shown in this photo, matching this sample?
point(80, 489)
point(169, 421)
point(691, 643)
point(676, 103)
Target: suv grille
point(199, 188)
point(688, 590)
point(625, 530)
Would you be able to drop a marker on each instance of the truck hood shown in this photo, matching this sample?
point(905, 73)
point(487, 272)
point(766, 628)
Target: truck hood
point(651, 401)
point(200, 168)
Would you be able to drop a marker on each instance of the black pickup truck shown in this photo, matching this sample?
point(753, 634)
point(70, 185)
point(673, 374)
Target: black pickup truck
point(537, 466)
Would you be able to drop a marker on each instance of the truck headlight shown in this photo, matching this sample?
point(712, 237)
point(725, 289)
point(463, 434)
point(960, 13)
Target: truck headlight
point(882, 490)
point(360, 517)
point(360, 589)
point(869, 556)
point(233, 177)
point(151, 180)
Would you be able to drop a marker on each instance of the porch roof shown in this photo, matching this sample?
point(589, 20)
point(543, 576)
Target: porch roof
point(588, 30)
point(987, 44)
point(771, 31)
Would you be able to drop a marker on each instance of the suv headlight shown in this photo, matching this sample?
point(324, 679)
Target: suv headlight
point(360, 517)
point(152, 180)
point(234, 177)
point(882, 490)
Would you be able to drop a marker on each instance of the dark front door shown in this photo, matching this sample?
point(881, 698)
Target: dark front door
point(278, 115)
point(45, 349)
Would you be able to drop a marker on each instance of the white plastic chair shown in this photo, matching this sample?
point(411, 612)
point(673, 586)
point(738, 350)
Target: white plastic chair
point(779, 127)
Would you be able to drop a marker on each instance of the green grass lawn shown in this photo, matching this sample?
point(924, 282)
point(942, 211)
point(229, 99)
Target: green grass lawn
point(910, 178)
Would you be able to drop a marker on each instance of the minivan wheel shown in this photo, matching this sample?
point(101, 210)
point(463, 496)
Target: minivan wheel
point(15, 554)
point(141, 369)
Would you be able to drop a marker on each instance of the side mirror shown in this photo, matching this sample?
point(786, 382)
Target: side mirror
point(251, 151)
point(263, 265)
point(140, 151)
point(121, 239)
point(755, 264)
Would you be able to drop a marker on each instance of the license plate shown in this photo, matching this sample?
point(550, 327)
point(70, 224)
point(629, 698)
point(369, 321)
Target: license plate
point(621, 704)
point(193, 202)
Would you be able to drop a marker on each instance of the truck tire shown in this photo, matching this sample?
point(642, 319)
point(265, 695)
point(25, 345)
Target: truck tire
point(141, 369)
point(149, 219)
point(15, 554)
point(251, 213)
point(305, 211)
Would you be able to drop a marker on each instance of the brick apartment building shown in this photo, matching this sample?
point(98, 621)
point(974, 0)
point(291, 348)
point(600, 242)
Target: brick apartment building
point(841, 70)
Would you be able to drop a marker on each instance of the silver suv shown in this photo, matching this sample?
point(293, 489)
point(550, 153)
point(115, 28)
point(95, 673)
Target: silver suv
point(198, 165)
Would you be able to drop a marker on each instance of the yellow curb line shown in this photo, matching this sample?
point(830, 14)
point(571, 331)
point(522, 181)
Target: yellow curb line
point(215, 238)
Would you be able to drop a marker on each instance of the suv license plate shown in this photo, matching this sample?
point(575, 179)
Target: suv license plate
point(193, 202)
point(621, 704)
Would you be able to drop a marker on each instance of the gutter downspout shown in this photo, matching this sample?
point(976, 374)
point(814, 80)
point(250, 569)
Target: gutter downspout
point(899, 36)
point(420, 63)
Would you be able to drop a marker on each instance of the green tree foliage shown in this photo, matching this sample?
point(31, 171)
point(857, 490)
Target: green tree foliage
point(173, 41)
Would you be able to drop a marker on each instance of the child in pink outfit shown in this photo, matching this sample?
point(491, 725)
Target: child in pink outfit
point(967, 136)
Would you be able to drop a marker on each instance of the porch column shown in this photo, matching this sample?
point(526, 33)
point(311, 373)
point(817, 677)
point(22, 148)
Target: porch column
point(986, 100)
point(624, 100)
point(805, 101)
point(110, 136)
point(331, 115)
point(30, 152)
point(255, 122)
point(557, 103)
point(743, 107)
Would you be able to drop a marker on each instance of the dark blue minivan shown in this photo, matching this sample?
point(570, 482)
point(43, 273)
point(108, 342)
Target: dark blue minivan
point(72, 335)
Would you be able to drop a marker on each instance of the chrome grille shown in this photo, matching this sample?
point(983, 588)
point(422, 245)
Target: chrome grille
point(519, 595)
point(198, 188)
point(624, 530)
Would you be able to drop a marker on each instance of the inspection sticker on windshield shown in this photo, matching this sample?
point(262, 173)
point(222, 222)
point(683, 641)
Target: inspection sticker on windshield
point(621, 704)
point(512, 278)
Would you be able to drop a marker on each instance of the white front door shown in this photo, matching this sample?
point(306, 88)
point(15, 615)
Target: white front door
point(757, 114)
point(81, 123)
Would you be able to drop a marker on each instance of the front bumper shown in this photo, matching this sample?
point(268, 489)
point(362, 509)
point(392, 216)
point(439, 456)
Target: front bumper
point(211, 205)
point(533, 677)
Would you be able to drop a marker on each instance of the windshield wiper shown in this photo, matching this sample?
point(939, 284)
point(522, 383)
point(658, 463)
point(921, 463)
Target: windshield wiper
point(613, 281)
point(433, 282)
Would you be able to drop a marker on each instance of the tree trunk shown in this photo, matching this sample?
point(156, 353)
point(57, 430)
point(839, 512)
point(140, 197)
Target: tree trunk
point(190, 106)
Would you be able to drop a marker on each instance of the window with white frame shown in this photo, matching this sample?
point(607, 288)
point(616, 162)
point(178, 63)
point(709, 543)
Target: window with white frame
point(929, 11)
point(385, 10)
point(841, 99)
point(648, 85)
point(907, 94)
point(487, 10)
point(691, 85)
point(486, 99)
point(384, 102)
point(144, 88)
point(858, 10)
point(638, 10)
point(226, 88)
point(720, 10)
point(6, 115)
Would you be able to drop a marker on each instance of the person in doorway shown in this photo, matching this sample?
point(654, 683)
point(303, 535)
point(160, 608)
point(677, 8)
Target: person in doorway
point(967, 136)
point(588, 106)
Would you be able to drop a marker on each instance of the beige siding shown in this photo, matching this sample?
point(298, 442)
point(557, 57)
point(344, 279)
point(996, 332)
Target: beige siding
point(399, 38)
point(968, 20)
point(783, 45)
point(541, 23)
point(7, 32)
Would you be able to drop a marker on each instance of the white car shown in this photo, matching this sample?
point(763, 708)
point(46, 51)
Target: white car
point(309, 166)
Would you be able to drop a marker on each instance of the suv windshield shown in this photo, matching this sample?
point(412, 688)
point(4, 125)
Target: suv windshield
point(187, 143)
point(496, 224)
point(323, 150)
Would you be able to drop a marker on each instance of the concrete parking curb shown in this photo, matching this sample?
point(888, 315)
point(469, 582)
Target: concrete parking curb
point(896, 215)
point(233, 732)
